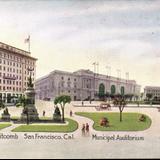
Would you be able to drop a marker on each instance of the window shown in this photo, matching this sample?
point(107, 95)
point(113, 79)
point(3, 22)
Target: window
point(62, 78)
point(68, 79)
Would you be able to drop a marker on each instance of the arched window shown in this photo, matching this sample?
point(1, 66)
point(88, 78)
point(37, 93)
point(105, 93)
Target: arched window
point(122, 91)
point(101, 89)
point(113, 89)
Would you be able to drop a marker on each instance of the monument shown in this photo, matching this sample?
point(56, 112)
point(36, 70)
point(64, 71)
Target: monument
point(29, 112)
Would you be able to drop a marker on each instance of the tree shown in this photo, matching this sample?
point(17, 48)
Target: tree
point(120, 103)
point(57, 114)
point(2, 106)
point(141, 95)
point(62, 100)
point(149, 96)
point(21, 101)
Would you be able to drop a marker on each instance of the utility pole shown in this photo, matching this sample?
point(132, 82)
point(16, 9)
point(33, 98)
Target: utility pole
point(108, 76)
point(127, 79)
point(118, 79)
point(94, 65)
point(97, 64)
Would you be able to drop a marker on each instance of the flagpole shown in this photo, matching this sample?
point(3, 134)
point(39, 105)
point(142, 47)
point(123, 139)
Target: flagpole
point(29, 45)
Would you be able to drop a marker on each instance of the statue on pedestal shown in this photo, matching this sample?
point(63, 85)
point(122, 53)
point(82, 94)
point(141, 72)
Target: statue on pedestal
point(29, 113)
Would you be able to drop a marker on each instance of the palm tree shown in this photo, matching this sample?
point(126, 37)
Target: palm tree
point(62, 100)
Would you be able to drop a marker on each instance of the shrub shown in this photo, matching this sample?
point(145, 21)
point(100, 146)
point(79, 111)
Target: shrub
point(142, 118)
point(18, 104)
point(57, 115)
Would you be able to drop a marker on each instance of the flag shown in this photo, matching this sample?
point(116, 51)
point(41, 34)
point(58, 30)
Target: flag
point(27, 40)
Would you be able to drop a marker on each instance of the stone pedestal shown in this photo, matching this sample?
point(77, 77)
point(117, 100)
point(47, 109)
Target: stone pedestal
point(30, 112)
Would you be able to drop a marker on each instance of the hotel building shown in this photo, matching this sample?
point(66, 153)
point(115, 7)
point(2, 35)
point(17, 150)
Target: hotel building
point(82, 84)
point(15, 66)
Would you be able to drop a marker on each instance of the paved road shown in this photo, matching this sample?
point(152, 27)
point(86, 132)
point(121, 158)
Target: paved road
point(84, 147)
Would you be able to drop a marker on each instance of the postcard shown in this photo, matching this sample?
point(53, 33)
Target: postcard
point(79, 79)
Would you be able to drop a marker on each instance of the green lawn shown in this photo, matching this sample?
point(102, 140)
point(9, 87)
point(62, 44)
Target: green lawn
point(72, 126)
point(130, 121)
point(4, 125)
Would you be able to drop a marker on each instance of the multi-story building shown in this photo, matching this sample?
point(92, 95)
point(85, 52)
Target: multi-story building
point(82, 84)
point(15, 67)
point(154, 91)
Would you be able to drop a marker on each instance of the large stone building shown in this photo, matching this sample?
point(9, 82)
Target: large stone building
point(154, 91)
point(82, 84)
point(15, 67)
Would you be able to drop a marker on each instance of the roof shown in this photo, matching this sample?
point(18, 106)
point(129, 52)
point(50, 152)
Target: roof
point(16, 50)
point(152, 87)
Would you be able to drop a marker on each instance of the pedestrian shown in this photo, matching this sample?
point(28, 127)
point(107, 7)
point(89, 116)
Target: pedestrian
point(44, 113)
point(83, 130)
point(71, 113)
point(87, 128)
point(82, 103)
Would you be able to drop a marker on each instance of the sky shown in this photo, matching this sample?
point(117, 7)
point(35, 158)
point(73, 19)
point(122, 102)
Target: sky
point(72, 34)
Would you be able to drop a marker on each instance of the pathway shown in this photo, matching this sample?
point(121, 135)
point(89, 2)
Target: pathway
point(9, 129)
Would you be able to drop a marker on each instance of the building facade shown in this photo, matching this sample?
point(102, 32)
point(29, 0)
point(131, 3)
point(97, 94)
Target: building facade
point(15, 67)
point(153, 90)
point(81, 85)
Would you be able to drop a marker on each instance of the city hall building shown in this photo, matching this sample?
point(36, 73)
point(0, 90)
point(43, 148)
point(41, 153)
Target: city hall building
point(82, 84)
point(15, 67)
point(153, 90)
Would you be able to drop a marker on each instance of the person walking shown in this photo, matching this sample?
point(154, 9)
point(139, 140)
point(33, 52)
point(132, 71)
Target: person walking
point(87, 128)
point(71, 113)
point(83, 130)
point(44, 113)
